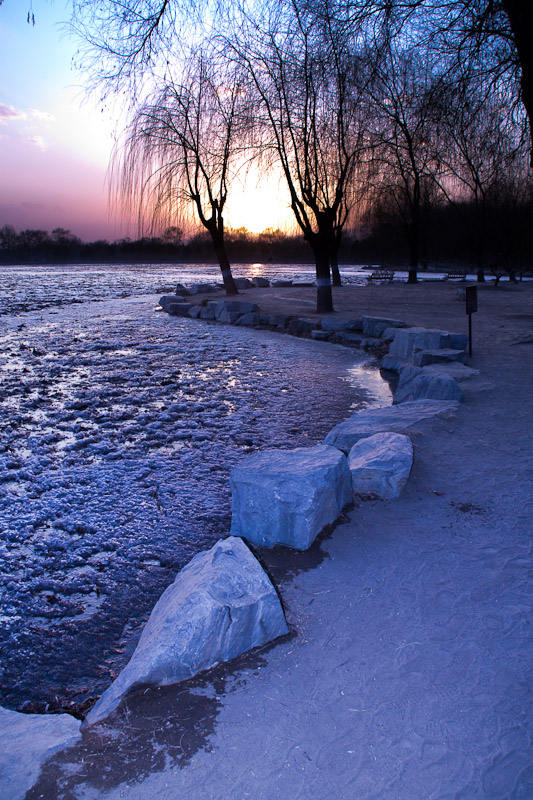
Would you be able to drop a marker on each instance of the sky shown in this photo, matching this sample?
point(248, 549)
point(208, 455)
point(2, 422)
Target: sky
point(56, 143)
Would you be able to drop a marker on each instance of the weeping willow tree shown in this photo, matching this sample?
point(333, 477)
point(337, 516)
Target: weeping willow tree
point(181, 151)
point(305, 80)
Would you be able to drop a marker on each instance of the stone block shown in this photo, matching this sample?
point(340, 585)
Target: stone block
point(288, 496)
point(280, 320)
point(303, 325)
point(341, 324)
point(381, 464)
point(392, 363)
point(194, 312)
point(179, 309)
point(374, 326)
point(321, 336)
point(220, 605)
point(424, 357)
point(416, 383)
point(208, 311)
point(261, 283)
point(409, 340)
point(203, 288)
point(250, 320)
point(243, 283)
point(280, 284)
point(397, 419)
point(167, 299)
point(26, 742)
point(225, 309)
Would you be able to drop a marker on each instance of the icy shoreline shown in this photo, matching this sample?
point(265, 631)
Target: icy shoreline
point(119, 427)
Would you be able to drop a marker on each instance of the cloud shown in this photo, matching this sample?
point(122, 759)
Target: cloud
point(8, 112)
point(38, 142)
point(42, 116)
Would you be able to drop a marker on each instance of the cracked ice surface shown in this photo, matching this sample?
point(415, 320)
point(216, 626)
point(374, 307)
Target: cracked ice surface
point(118, 429)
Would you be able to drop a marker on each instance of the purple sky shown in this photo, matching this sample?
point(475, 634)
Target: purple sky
point(55, 143)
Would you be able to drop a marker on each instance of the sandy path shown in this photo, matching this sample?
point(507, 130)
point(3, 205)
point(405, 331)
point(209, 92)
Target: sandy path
point(407, 675)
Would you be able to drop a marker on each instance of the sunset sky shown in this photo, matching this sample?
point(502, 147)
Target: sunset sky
point(55, 144)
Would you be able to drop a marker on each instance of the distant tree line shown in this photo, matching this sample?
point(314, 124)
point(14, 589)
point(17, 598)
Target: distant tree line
point(389, 115)
point(450, 243)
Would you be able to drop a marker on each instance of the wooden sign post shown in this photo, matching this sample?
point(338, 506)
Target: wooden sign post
point(471, 307)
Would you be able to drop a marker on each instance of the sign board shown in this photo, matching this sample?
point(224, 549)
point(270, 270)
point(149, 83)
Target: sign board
point(471, 299)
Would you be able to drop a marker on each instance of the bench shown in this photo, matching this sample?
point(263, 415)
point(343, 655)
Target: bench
point(455, 276)
point(381, 275)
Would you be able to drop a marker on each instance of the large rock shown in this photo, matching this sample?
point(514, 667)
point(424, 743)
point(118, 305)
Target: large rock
point(243, 283)
point(425, 357)
point(396, 419)
point(410, 340)
point(288, 496)
point(26, 742)
point(203, 288)
point(220, 605)
point(231, 310)
point(179, 309)
point(341, 324)
point(374, 326)
point(380, 465)
point(250, 320)
point(261, 283)
point(453, 369)
point(167, 299)
point(303, 325)
point(280, 320)
point(416, 383)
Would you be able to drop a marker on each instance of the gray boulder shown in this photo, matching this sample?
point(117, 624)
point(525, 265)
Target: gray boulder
point(341, 324)
point(303, 325)
point(321, 336)
point(409, 340)
point(26, 742)
point(397, 419)
point(392, 363)
point(454, 369)
point(416, 383)
point(208, 311)
point(195, 312)
point(231, 310)
point(374, 326)
point(261, 283)
point(179, 309)
point(444, 356)
point(243, 283)
point(288, 496)
point(381, 464)
point(202, 288)
point(166, 299)
point(280, 320)
point(280, 284)
point(220, 605)
point(251, 320)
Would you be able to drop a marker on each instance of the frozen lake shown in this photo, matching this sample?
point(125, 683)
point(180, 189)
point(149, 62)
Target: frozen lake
point(118, 429)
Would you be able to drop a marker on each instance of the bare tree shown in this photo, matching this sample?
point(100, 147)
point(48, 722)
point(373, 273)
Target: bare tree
point(401, 100)
point(305, 79)
point(479, 149)
point(181, 148)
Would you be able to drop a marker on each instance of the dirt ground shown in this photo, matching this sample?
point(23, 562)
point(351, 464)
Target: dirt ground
point(407, 675)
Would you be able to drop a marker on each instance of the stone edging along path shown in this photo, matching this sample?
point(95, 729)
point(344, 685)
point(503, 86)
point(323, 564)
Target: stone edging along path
point(222, 603)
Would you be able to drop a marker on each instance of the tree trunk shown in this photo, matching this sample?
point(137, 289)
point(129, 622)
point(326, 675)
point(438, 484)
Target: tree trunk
point(334, 261)
point(223, 260)
point(321, 250)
